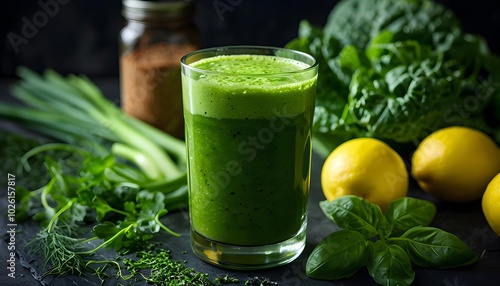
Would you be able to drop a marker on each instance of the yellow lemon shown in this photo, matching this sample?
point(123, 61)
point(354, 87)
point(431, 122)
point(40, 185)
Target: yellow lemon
point(491, 204)
point(367, 168)
point(456, 164)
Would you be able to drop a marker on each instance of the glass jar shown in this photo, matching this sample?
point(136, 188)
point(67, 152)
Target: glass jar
point(156, 35)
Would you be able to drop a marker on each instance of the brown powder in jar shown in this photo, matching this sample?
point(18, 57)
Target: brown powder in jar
point(151, 85)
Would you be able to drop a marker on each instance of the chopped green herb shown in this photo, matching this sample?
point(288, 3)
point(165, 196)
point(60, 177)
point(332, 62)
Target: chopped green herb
point(158, 268)
point(259, 281)
point(226, 279)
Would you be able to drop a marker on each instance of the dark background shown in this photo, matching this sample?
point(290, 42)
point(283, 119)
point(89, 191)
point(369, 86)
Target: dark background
point(82, 36)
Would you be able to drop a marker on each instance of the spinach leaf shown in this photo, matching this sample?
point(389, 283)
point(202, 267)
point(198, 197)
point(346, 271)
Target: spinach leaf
point(389, 264)
point(406, 213)
point(436, 248)
point(338, 255)
point(355, 213)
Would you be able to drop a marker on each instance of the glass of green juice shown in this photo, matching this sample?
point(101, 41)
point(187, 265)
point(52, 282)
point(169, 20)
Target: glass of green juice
point(248, 113)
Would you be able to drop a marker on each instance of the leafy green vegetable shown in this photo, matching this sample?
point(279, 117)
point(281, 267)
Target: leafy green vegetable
point(338, 255)
point(397, 71)
point(386, 244)
point(424, 20)
point(433, 247)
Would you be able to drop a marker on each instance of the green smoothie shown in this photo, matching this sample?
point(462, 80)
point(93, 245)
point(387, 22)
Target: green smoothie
point(249, 147)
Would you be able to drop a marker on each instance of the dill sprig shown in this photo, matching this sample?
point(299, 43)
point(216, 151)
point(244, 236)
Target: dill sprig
point(60, 252)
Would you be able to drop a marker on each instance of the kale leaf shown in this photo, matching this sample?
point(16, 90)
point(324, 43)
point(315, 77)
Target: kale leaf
point(397, 71)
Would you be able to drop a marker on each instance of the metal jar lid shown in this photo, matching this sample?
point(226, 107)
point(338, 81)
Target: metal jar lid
point(165, 10)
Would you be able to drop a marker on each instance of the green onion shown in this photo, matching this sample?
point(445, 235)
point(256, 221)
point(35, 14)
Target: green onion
point(72, 109)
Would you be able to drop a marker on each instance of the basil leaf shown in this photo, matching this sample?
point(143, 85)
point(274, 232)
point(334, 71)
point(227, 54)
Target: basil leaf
point(355, 213)
point(389, 264)
point(407, 212)
point(338, 255)
point(436, 248)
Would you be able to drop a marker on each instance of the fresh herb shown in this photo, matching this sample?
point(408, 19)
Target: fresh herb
point(389, 264)
point(158, 268)
point(434, 248)
point(338, 255)
point(125, 215)
point(398, 70)
point(387, 244)
point(162, 270)
point(259, 281)
point(61, 252)
point(111, 172)
point(226, 279)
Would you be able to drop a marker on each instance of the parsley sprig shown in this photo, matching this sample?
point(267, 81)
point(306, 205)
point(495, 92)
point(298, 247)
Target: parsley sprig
point(124, 207)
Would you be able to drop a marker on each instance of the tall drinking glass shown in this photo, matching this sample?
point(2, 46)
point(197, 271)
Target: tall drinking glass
point(248, 112)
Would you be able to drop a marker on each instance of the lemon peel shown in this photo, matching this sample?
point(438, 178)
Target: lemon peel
point(365, 167)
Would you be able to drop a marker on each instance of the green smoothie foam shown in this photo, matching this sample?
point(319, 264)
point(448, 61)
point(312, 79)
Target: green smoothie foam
point(235, 88)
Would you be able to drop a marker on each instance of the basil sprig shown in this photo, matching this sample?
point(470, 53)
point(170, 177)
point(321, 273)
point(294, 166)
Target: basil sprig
point(386, 243)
